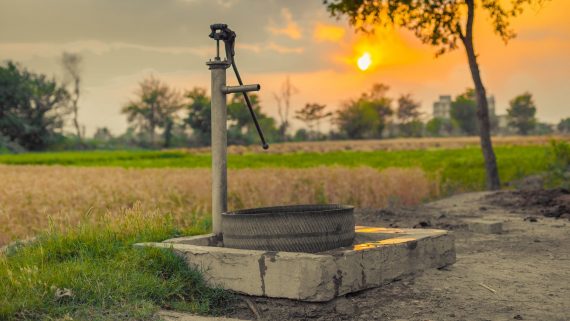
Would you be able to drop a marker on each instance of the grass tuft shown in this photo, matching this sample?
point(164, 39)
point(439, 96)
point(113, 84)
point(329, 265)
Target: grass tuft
point(92, 272)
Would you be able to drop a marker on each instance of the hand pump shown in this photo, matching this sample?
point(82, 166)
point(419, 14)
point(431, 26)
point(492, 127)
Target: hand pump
point(219, 119)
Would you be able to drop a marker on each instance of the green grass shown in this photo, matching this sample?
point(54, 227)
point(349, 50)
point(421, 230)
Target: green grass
point(109, 279)
point(455, 169)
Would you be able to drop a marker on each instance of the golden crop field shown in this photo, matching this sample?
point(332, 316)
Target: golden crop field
point(390, 144)
point(34, 197)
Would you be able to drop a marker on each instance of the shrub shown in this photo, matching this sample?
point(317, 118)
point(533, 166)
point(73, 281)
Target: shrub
point(558, 156)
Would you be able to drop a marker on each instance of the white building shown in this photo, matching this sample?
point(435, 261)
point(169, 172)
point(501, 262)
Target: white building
point(442, 107)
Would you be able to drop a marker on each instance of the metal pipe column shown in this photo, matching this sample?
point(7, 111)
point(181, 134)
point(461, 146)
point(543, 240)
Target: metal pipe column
point(219, 145)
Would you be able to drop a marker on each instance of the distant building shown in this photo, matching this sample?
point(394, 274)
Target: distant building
point(442, 107)
point(503, 121)
point(491, 104)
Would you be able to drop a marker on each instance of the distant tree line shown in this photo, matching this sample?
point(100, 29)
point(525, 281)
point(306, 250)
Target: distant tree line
point(35, 108)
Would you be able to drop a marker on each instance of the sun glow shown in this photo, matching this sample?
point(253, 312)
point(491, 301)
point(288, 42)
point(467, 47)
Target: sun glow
point(364, 61)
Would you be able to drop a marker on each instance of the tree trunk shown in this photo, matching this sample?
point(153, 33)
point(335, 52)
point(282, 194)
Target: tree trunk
point(493, 181)
point(76, 110)
point(152, 123)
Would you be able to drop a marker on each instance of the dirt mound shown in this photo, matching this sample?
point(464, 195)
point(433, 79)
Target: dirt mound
point(550, 203)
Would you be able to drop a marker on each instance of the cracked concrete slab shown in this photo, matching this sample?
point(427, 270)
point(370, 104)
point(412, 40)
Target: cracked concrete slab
point(378, 256)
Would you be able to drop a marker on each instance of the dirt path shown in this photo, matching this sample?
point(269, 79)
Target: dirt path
point(520, 274)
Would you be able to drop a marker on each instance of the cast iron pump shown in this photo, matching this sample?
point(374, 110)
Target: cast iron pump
point(221, 32)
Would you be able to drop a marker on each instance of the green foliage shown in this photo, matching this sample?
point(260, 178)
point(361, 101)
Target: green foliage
point(311, 115)
point(242, 129)
point(564, 125)
point(32, 108)
point(412, 128)
point(439, 127)
point(93, 272)
point(522, 113)
point(301, 135)
point(464, 112)
point(200, 115)
point(155, 107)
point(367, 116)
point(558, 160)
point(542, 129)
point(408, 113)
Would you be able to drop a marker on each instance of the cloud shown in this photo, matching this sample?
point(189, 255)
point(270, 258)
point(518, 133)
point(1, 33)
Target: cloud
point(291, 29)
point(270, 46)
point(45, 49)
point(284, 50)
point(328, 33)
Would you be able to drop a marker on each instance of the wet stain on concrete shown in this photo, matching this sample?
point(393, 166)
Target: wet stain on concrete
point(337, 280)
point(412, 245)
point(262, 270)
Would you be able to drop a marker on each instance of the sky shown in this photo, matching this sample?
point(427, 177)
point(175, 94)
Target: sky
point(122, 42)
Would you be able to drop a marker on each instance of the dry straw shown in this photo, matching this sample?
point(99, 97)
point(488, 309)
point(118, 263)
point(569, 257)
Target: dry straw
point(33, 197)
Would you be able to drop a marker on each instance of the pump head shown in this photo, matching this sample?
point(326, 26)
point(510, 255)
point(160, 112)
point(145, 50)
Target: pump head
point(221, 31)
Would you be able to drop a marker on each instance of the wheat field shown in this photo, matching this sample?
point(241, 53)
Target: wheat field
point(33, 198)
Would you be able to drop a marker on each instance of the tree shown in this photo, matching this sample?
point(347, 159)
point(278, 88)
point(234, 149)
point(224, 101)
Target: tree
point(199, 115)
point(367, 116)
point(33, 107)
point(102, 134)
point(381, 104)
point(356, 120)
point(311, 115)
point(564, 125)
point(440, 126)
point(408, 114)
point(71, 63)
point(241, 129)
point(521, 113)
point(283, 100)
point(464, 112)
point(156, 103)
point(542, 129)
point(442, 24)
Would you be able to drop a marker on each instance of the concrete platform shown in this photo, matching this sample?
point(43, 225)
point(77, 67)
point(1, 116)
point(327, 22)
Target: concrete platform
point(378, 256)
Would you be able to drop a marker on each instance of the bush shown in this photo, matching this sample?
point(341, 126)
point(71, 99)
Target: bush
point(558, 157)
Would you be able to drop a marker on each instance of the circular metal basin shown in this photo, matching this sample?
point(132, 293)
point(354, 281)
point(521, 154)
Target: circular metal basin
point(297, 228)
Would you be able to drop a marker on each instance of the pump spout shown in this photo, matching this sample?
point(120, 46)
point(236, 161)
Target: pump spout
point(240, 89)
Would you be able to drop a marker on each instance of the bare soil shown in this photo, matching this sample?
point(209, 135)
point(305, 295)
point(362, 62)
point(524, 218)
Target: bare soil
point(520, 274)
point(549, 203)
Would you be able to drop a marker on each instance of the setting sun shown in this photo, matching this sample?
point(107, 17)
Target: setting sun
point(364, 61)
